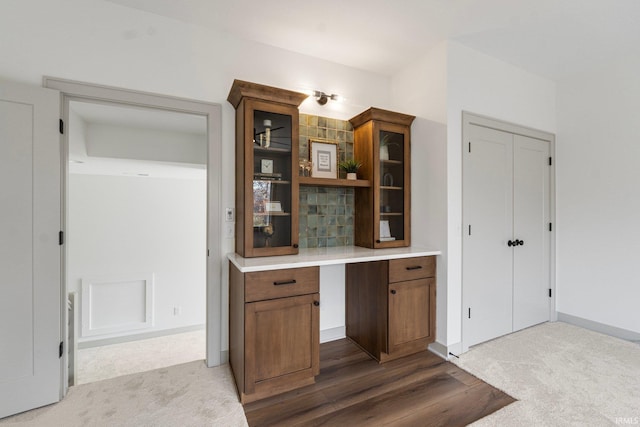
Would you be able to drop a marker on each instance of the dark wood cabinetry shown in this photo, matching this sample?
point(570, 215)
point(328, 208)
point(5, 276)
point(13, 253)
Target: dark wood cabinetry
point(391, 306)
point(382, 142)
point(266, 169)
point(274, 330)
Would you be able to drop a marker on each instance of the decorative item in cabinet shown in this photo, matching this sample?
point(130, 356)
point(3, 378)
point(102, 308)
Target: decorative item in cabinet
point(266, 169)
point(382, 141)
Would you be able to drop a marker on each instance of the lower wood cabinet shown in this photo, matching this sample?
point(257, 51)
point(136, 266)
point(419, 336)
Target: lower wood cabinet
point(391, 306)
point(274, 330)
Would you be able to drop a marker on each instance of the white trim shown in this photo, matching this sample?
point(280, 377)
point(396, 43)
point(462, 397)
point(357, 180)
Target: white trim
point(602, 328)
point(213, 112)
point(99, 342)
point(333, 334)
point(89, 284)
point(439, 349)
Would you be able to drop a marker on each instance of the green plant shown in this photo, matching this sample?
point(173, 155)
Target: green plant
point(350, 166)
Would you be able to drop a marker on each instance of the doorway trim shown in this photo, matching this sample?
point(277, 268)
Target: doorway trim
point(469, 119)
point(74, 90)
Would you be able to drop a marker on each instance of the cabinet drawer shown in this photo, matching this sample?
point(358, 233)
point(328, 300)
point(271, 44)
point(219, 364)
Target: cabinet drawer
point(411, 268)
point(264, 285)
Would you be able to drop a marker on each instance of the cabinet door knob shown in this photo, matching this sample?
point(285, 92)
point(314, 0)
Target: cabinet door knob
point(520, 242)
point(295, 245)
point(393, 291)
point(316, 303)
point(511, 243)
point(377, 241)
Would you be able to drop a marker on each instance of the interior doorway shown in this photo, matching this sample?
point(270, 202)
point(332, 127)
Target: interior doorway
point(71, 90)
point(136, 238)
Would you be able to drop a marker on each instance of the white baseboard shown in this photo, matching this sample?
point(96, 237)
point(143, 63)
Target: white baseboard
point(600, 327)
point(136, 337)
point(439, 349)
point(333, 334)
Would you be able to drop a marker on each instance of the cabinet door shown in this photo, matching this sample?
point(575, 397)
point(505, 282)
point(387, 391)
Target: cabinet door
point(281, 339)
point(411, 312)
point(271, 196)
point(391, 186)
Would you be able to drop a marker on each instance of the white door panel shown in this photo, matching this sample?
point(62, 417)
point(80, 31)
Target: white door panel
point(488, 272)
point(506, 199)
point(30, 309)
point(531, 219)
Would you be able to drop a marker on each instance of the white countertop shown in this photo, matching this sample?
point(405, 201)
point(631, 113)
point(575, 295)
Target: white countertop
point(326, 256)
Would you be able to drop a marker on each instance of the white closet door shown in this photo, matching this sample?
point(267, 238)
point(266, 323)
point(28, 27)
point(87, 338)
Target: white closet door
point(488, 216)
point(30, 316)
point(531, 215)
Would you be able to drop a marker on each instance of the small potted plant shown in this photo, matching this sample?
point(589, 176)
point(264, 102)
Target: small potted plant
point(351, 167)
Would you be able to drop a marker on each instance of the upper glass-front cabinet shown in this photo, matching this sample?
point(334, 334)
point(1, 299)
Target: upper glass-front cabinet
point(392, 197)
point(266, 159)
point(382, 144)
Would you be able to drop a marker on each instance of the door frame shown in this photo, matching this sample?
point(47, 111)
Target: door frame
point(469, 119)
point(88, 92)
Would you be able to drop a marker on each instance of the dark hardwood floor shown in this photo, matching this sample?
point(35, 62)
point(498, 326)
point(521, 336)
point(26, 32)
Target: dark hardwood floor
point(354, 390)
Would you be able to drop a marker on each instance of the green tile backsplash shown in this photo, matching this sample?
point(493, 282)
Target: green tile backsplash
point(325, 128)
point(326, 213)
point(325, 216)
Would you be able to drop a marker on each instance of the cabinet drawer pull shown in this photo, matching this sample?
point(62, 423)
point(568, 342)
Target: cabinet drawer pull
point(415, 267)
point(393, 291)
point(316, 303)
point(285, 282)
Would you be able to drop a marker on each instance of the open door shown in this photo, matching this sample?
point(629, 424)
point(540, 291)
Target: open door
point(30, 254)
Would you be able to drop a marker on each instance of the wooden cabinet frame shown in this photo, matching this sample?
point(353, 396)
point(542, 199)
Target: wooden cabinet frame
point(247, 98)
point(368, 201)
point(274, 330)
point(391, 306)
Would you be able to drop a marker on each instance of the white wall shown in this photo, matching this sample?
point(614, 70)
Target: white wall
point(598, 176)
point(101, 42)
point(421, 90)
point(121, 226)
point(124, 142)
point(483, 85)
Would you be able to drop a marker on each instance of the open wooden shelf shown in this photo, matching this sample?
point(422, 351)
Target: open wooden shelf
point(330, 182)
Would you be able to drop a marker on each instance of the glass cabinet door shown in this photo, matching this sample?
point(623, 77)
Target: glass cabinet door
point(272, 180)
point(392, 187)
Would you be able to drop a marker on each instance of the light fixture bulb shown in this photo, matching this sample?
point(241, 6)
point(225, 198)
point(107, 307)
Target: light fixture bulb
point(322, 98)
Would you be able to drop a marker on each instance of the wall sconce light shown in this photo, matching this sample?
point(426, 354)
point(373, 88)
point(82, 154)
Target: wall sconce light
point(322, 97)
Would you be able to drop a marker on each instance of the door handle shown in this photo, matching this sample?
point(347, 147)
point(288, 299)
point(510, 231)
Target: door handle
point(515, 243)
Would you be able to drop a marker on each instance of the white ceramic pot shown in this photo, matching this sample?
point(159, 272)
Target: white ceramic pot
point(352, 175)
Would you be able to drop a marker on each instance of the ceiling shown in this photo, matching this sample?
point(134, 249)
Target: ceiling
point(553, 38)
point(121, 119)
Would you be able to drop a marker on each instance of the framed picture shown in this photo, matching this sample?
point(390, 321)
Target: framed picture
point(273, 207)
point(324, 158)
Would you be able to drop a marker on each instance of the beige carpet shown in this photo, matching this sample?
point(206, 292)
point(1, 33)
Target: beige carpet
point(110, 361)
point(185, 395)
point(562, 375)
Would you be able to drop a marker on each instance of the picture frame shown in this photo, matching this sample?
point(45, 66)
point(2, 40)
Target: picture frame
point(324, 158)
point(273, 207)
